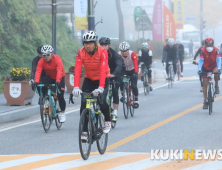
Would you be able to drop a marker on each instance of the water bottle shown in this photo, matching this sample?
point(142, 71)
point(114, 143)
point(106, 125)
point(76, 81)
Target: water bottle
point(94, 118)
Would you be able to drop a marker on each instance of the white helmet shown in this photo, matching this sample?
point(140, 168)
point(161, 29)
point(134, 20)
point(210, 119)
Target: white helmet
point(145, 45)
point(170, 41)
point(89, 36)
point(124, 46)
point(46, 49)
point(178, 41)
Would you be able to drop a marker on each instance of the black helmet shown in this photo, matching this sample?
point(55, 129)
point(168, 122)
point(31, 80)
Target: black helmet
point(209, 42)
point(39, 49)
point(104, 40)
point(203, 42)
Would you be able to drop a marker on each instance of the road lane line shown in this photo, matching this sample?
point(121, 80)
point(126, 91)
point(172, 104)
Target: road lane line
point(144, 131)
point(112, 163)
point(14, 157)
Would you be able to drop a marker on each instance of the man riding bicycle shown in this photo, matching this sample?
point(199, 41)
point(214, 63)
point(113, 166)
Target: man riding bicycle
point(171, 51)
point(115, 64)
point(55, 74)
point(180, 54)
point(131, 63)
point(194, 62)
point(97, 73)
point(145, 55)
point(210, 61)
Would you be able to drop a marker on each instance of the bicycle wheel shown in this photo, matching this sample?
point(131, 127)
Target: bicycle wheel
point(209, 98)
point(102, 142)
point(85, 127)
point(125, 102)
point(58, 123)
point(170, 77)
point(172, 73)
point(144, 83)
point(131, 105)
point(46, 117)
point(113, 122)
point(147, 85)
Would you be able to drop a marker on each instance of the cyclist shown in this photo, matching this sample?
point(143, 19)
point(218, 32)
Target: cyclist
point(97, 73)
point(145, 55)
point(55, 74)
point(194, 62)
point(171, 52)
point(180, 54)
point(34, 65)
point(131, 63)
point(210, 61)
point(115, 64)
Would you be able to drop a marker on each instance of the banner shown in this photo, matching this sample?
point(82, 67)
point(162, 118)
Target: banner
point(80, 10)
point(157, 21)
point(168, 24)
point(137, 13)
point(179, 13)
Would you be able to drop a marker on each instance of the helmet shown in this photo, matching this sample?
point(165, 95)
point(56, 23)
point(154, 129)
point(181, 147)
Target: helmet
point(39, 49)
point(209, 41)
point(170, 41)
point(89, 36)
point(104, 40)
point(46, 49)
point(145, 45)
point(203, 42)
point(178, 41)
point(124, 46)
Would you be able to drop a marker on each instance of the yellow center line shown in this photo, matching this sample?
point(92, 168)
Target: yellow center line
point(144, 131)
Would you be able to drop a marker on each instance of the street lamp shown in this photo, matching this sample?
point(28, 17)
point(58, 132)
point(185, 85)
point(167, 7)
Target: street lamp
point(98, 22)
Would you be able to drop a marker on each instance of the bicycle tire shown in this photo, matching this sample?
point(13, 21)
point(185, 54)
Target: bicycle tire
point(58, 123)
point(125, 102)
point(147, 85)
point(45, 116)
point(85, 118)
point(171, 68)
point(144, 83)
point(210, 101)
point(101, 148)
point(131, 106)
point(170, 77)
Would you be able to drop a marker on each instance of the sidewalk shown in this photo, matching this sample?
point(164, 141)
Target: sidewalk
point(13, 113)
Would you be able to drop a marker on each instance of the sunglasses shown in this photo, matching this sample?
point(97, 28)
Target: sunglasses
point(124, 51)
point(46, 55)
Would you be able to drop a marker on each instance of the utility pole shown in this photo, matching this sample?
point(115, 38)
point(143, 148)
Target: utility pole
point(91, 15)
point(201, 20)
point(54, 25)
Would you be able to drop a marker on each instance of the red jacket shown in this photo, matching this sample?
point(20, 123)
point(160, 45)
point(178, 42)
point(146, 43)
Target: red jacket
point(54, 68)
point(96, 66)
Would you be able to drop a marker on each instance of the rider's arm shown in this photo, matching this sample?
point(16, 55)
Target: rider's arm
point(34, 64)
point(164, 53)
point(201, 61)
point(39, 69)
point(150, 57)
point(103, 68)
point(197, 53)
point(78, 69)
point(177, 53)
point(218, 59)
point(139, 57)
point(118, 61)
point(59, 68)
point(135, 61)
point(182, 50)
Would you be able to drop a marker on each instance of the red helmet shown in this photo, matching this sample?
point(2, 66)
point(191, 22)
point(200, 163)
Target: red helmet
point(209, 42)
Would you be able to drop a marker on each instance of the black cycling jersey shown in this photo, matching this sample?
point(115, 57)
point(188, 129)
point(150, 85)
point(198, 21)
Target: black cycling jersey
point(171, 53)
point(34, 65)
point(145, 57)
point(115, 62)
point(181, 51)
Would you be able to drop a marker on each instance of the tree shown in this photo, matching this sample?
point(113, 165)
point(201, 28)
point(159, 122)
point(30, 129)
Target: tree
point(211, 12)
point(121, 21)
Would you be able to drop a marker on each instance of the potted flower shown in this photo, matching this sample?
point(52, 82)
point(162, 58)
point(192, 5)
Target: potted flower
point(69, 78)
point(17, 90)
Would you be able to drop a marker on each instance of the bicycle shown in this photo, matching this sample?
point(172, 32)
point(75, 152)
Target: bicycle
point(178, 70)
point(210, 91)
point(49, 107)
point(91, 124)
point(109, 101)
point(128, 97)
point(170, 73)
point(146, 84)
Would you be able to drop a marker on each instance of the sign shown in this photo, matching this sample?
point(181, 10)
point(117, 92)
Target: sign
point(80, 8)
point(71, 79)
point(168, 24)
point(144, 23)
point(137, 13)
point(15, 89)
point(62, 6)
point(190, 18)
point(179, 13)
point(157, 21)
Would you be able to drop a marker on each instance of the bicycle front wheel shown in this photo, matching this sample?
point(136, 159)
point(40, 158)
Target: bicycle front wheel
point(210, 98)
point(170, 77)
point(125, 102)
point(102, 142)
point(131, 105)
point(58, 123)
point(147, 85)
point(46, 117)
point(85, 134)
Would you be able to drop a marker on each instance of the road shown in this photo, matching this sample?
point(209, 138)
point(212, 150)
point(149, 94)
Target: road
point(166, 119)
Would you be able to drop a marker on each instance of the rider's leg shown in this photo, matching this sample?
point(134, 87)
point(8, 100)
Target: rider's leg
point(116, 95)
point(167, 71)
point(216, 79)
point(205, 82)
point(133, 80)
point(181, 65)
point(62, 102)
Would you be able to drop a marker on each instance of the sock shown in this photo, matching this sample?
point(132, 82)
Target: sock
point(115, 112)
